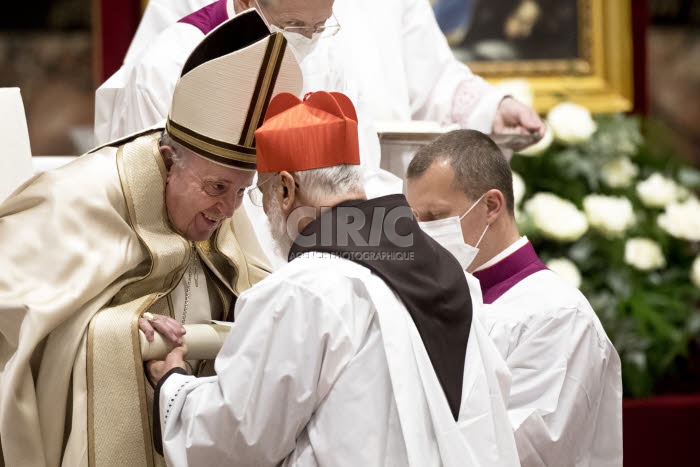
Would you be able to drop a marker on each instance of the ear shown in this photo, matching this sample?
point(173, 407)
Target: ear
point(166, 153)
point(495, 205)
point(289, 192)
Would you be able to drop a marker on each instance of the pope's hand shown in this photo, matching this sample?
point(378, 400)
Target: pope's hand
point(155, 369)
point(171, 329)
point(514, 117)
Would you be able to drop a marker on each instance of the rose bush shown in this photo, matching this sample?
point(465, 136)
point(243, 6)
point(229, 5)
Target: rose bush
point(571, 123)
point(658, 191)
point(555, 217)
point(636, 248)
point(620, 172)
point(682, 220)
point(644, 254)
point(611, 215)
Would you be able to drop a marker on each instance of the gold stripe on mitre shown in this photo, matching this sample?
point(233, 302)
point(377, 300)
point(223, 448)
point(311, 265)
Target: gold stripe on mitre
point(221, 152)
point(267, 76)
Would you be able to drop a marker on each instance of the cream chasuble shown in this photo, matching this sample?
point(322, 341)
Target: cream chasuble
point(87, 248)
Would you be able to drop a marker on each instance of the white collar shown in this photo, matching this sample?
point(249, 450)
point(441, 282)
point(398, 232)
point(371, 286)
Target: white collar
point(229, 9)
point(515, 246)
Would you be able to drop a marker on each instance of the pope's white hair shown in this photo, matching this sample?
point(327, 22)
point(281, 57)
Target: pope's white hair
point(338, 180)
point(180, 153)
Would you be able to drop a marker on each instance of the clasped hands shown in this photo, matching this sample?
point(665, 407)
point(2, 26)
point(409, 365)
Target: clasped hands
point(172, 331)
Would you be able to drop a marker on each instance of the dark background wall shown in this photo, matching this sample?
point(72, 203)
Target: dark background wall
point(673, 72)
point(46, 51)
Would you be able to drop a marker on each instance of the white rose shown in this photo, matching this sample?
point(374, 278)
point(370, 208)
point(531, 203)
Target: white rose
point(518, 88)
point(644, 254)
point(619, 173)
point(555, 217)
point(566, 269)
point(540, 146)
point(571, 123)
point(695, 272)
point(609, 214)
point(682, 220)
point(518, 188)
point(658, 191)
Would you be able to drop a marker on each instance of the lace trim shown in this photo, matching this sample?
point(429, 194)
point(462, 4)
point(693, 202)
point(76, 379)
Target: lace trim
point(467, 97)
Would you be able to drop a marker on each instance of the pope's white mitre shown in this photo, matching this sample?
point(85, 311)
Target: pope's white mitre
point(225, 87)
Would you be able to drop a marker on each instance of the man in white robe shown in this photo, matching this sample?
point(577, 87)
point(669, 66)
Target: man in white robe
point(565, 403)
point(138, 95)
point(392, 52)
point(133, 236)
point(359, 352)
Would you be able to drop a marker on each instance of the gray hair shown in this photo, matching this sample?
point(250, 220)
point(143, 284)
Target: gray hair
point(478, 164)
point(337, 180)
point(180, 153)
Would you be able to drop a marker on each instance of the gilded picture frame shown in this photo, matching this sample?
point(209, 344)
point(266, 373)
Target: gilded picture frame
point(600, 77)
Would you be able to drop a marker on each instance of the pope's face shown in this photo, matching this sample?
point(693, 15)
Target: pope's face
point(200, 194)
point(432, 196)
point(307, 14)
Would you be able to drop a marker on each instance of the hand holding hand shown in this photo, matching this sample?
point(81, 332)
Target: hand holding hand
point(155, 369)
point(171, 329)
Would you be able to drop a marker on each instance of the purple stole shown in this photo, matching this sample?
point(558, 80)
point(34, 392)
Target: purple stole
point(502, 276)
point(207, 18)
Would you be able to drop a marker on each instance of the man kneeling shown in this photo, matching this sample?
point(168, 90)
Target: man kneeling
point(362, 351)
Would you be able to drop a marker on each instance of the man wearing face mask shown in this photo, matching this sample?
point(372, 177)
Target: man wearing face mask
point(138, 95)
point(399, 60)
point(565, 402)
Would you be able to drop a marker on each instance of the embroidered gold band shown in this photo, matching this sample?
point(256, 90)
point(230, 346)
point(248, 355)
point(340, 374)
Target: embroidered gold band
point(267, 76)
point(219, 151)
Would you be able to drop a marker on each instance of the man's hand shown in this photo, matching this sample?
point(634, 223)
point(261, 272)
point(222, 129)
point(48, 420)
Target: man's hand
point(171, 329)
point(155, 369)
point(514, 117)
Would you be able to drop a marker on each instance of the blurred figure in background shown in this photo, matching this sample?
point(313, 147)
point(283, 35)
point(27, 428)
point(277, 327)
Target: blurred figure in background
point(390, 57)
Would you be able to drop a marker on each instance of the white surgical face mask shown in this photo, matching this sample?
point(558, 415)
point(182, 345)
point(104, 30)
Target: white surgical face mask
point(301, 45)
point(448, 233)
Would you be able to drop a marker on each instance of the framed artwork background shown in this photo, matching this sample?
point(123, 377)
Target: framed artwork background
point(600, 76)
point(604, 77)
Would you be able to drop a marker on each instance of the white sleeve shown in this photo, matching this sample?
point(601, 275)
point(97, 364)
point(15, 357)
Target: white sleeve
point(158, 16)
point(440, 87)
point(282, 356)
point(138, 96)
point(560, 371)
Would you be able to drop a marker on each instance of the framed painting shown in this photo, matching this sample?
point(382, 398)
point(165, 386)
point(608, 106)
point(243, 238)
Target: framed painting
point(577, 50)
